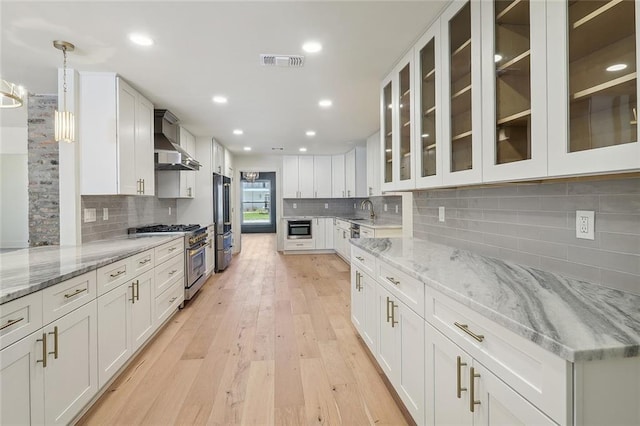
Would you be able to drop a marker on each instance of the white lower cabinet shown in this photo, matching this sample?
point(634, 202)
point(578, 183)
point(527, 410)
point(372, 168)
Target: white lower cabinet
point(322, 231)
point(50, 375)
point(364, 313)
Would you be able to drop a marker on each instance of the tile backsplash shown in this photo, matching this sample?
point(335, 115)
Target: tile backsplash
point(534, 224)
point(124, 212)
point(344, 207)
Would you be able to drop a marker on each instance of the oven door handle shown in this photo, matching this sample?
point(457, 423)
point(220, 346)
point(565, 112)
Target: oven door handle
point(197, 251)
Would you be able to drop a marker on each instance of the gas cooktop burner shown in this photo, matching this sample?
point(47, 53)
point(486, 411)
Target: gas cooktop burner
point(165, 228)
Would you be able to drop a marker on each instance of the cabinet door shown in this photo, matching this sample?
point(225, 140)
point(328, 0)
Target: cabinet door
point(357, 299)
point(369, 330)
point(142, 310)
point(305, 177)
point(216, 157)
point(337, 176)
point(447, 381)
point(461, 134)
point(501, 405)
point(144, 146)
point(373, 165)
point(387, 131)
point(410, 343)
point(71, 375)
point(514, 116)
point(405, 176)
point(328, 233)
point(387, 351)
point(21, 382)
point(126, 119)
point(318, 233)
point(190, 177)
point(350, 173)
point(428, 109)
point(592, 86)
point(322, 176)
point(290, 176)
point(114, 333)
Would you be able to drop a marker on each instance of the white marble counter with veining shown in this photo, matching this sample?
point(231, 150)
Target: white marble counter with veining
point(29, 270)
point(576, 320)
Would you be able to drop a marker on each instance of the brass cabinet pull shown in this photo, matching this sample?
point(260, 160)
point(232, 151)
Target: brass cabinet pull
point(75, 293)
point(459, 387)
point(472, 390)
point(117, 274)
point(393, 314)
point(361, 259)
point(137, 289)
point(144, 262)
point(189, 192)
point(44, 350)
point(465, 328)
point(173, 299)
point(133, 293)
point(388, 316)
point(173, 272)
point(11, 322)
point(393, 280)
point(55, 342)
point(172, 249)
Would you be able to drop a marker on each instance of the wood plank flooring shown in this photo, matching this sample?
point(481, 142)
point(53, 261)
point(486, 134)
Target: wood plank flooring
point(269, 341)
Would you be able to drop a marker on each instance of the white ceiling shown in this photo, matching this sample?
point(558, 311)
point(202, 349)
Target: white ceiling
point(212, 47)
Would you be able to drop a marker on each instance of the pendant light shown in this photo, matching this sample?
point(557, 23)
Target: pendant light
point(64, 120)
point(10, 94)
point(250, 176)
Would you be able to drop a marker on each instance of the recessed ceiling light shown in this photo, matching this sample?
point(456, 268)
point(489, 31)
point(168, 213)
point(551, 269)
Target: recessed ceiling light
point(141, 39)
point(497, 57)
point(238, 132)
point(303, 149)
point(312, 47)
point(425, 135)
point(617, 67)
point(310, 133)
point(219, 99)
point(325, 103)
point(387, 150)
point(247, 148)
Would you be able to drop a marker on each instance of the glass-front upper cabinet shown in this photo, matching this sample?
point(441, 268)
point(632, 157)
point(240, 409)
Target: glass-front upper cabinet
point(593, 91)
point(514, 89)
point(461, 93)
point(428, 72)
point(386, 131)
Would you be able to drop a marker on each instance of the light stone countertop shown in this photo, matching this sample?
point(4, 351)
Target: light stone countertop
point(374, 224)
point(576, 320)
point(28, 270)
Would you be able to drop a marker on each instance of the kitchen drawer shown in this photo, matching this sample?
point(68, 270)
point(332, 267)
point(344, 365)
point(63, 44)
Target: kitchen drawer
point(112, 275)
point(300, 244)
point(142, 262)
point(19, 318)
point(62, 298)
point(343, 224)
point(405, 287)
point(364, 260)
point(169, 301)
point(166, 272)
point(367, 232)
point(168, 250)
point(532, 371)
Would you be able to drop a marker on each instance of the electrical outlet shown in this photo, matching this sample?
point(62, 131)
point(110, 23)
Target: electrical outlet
point(585, 224)
point(441, 214)
point(397, 209)
point(169, 211)
point(89, 215)
point(385, 207)
point(105, 213)
point(326, 205)
point(354, 206)
point(295, 206)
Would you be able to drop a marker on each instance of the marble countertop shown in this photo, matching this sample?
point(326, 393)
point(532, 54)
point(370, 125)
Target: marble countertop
point(573, 319)
point(375, 224)
point(29, 270)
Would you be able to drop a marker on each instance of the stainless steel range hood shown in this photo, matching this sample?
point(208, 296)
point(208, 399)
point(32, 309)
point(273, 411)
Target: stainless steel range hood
point(168, 154)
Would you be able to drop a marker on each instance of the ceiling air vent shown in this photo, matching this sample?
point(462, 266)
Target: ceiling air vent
point(289, 61)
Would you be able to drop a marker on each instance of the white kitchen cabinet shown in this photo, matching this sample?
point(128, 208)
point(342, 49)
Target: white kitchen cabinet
point(514, 95)
point(373, 165)
point(116, 133)
point(328, 233)
point(364, 312)
point(179, 184)
point(217, 157)
point(298, 177)
point(355, 162)
point(369, 232)
point(20, 317)
point(142, 316)
point(322, 232)
point(593, 111)
point(341, 238)
point(322, 176)
point(228, 163)
point(338, 176)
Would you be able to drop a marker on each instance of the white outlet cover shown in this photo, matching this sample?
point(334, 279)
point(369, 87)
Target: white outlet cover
point(326, 205)
point(105, 213)
point(385, 207)
point(169, 211)
point(397, 210)
point(441, 214)
point(89, 215)
point(585, 224)
point(295, 206)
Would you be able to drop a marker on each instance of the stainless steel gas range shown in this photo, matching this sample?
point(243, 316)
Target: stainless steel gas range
point(195, 241)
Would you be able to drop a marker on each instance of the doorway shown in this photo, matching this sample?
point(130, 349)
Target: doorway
point(258, 195)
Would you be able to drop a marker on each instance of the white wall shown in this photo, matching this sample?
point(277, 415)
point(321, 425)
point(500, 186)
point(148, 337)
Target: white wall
point(200, 208)
point(14, 181)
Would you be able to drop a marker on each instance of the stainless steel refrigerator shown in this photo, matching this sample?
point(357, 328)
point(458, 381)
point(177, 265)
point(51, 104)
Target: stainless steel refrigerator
point(222, 220)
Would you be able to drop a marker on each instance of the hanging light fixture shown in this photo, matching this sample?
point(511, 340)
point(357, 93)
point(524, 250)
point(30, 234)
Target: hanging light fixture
point(64, 120)
point(10, 94)
point(250, 176)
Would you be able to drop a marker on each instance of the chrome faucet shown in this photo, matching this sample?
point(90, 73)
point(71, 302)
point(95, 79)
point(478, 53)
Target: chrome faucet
point(364, 203)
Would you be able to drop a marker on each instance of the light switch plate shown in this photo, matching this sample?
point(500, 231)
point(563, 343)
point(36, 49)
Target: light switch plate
point(385, 207)
point(585, 224)
point(326, 205)
point(295, 206)
point(397, 209)
point(441, 214)
point(89, 215)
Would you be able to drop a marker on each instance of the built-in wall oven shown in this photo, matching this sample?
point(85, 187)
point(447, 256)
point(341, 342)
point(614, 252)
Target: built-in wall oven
point(299, 229)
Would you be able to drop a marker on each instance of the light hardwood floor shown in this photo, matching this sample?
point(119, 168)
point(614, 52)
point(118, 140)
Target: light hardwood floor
point(269, 341)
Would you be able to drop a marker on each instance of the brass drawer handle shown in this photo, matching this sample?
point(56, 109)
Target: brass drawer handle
point(133, 293)
point(144, 262)
point(388, 316)
point(11, 322)
point(459, 387)
point(172, 249)
point(44, 350)
point(393, 314)
point(117, 274)
point(173, 299)
point(75, 293)
point(173, 272)
point(393, 280)
point(465, 328)
point(55, 342)
point(137, 289)
point(361, 259)
point(472, 390)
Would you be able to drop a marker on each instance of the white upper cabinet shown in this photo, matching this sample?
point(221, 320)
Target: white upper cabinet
point(593, 91)
point(217, 154)
point(228, 163)
point(373, 165)
point(428, 109)
point(306, 176)
point(355, 164)
point(116, 137)
point(179, 184)
point(290, 176)
point(514, 116)
point(338, 177)
point(322, 176)
point(461, 97)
